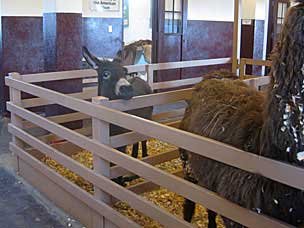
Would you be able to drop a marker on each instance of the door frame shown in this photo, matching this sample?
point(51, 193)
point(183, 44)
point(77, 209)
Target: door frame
point(158, 30)
point(273, 8)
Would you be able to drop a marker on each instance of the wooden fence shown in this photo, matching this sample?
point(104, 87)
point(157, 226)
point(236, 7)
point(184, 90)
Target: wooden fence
point(29, 145)
point(149, 70)
point(244, 62)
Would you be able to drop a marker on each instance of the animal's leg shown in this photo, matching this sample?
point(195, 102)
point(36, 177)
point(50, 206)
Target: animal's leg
point(120, 180)
point(189, 209)
point(211, 219)
point(189, 206)
point(134, 155)
point(231, 224)
point(130, 178)
point(135, 150)
point(144, 149)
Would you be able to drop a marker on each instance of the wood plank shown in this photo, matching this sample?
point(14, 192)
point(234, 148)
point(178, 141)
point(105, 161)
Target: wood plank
point(242, 69)
point(117, 171)
point(90, 80)
point(55, 76)
point(74, 74)
point(148, 186)
point(116, 141)
point(177, 113)
point(133, 137)
point(35, 102)
point(150, 76)
point(150, 100)
point(15, 98)
point(101, 133)
point(51, 138)
point(68, 149)
point(212, 149)
point(185, 188)
point(235, 46)
point(61, 119)
point(192, 63)
point(103, 183)
point(257, 62)
point(136, 68)
point(176, 83)
point(258, 81)
point(75, 191)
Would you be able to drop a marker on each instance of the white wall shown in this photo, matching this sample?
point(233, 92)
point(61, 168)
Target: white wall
point(22, 7)
point(223, 10)
point(139, 21)
point(62, 6)
point(254, 9)
point(260, 12)
point(87, 12)
point(37, 7)
point(211, 10)
point(248, 9)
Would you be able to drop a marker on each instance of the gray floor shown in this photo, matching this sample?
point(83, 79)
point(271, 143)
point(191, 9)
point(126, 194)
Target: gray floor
point(21, 206)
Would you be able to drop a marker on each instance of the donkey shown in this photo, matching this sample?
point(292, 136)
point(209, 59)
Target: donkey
point(113, 84)
point(131, 53)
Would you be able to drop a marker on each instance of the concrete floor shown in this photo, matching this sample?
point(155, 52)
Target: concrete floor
point(21, 206)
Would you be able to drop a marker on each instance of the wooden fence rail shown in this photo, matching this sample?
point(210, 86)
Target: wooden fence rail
point(104, 112)
point(186, 189)
point(244, 62)
point(213, 149)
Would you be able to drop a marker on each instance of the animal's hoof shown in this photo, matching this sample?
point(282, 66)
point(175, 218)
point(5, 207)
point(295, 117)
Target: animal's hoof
point(130, 178)
point(120, 181)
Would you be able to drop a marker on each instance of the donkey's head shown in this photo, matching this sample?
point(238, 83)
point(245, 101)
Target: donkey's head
point(112, 81)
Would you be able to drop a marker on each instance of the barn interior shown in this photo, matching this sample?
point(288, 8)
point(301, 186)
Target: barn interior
point(50, 133)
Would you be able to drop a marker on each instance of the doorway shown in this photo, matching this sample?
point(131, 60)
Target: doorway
point(169, 27)
point(277, 13)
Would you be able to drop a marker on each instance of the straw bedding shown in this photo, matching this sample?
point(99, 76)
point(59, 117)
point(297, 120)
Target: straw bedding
point(165, 199)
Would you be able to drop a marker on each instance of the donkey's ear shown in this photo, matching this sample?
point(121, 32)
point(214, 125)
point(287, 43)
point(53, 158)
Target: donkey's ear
point(92, 60)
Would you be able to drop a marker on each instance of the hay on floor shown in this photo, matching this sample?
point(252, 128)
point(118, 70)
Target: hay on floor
point(163, 198)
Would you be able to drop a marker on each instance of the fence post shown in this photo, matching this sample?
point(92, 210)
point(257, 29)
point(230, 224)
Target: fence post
point(15, 98)
point(242, 69)
point(236, 33)
point(150, 75)
point(101, 133)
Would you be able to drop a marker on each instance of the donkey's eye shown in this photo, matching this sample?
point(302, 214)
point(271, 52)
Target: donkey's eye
point(106, 74)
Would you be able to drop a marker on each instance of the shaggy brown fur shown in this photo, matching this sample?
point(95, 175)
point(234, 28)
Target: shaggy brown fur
point(233, 113)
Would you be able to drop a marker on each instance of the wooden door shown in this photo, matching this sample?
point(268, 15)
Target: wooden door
point(247, 41)
point(168, 35)
point(277, 13)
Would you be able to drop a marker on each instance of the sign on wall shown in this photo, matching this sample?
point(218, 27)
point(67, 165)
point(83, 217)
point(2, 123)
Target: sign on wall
point(105, 5)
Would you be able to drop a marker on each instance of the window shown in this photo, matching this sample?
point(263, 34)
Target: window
point(173, 16)
point(282, 10)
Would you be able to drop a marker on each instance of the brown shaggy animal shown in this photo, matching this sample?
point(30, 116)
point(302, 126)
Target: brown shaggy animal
point(271, 126)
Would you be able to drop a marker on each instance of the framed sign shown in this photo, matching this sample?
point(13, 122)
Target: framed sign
point(105, 5)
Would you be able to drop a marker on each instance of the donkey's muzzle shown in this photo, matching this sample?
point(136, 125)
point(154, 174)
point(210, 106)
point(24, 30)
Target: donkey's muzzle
point(126, 92)
point(123, 89)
